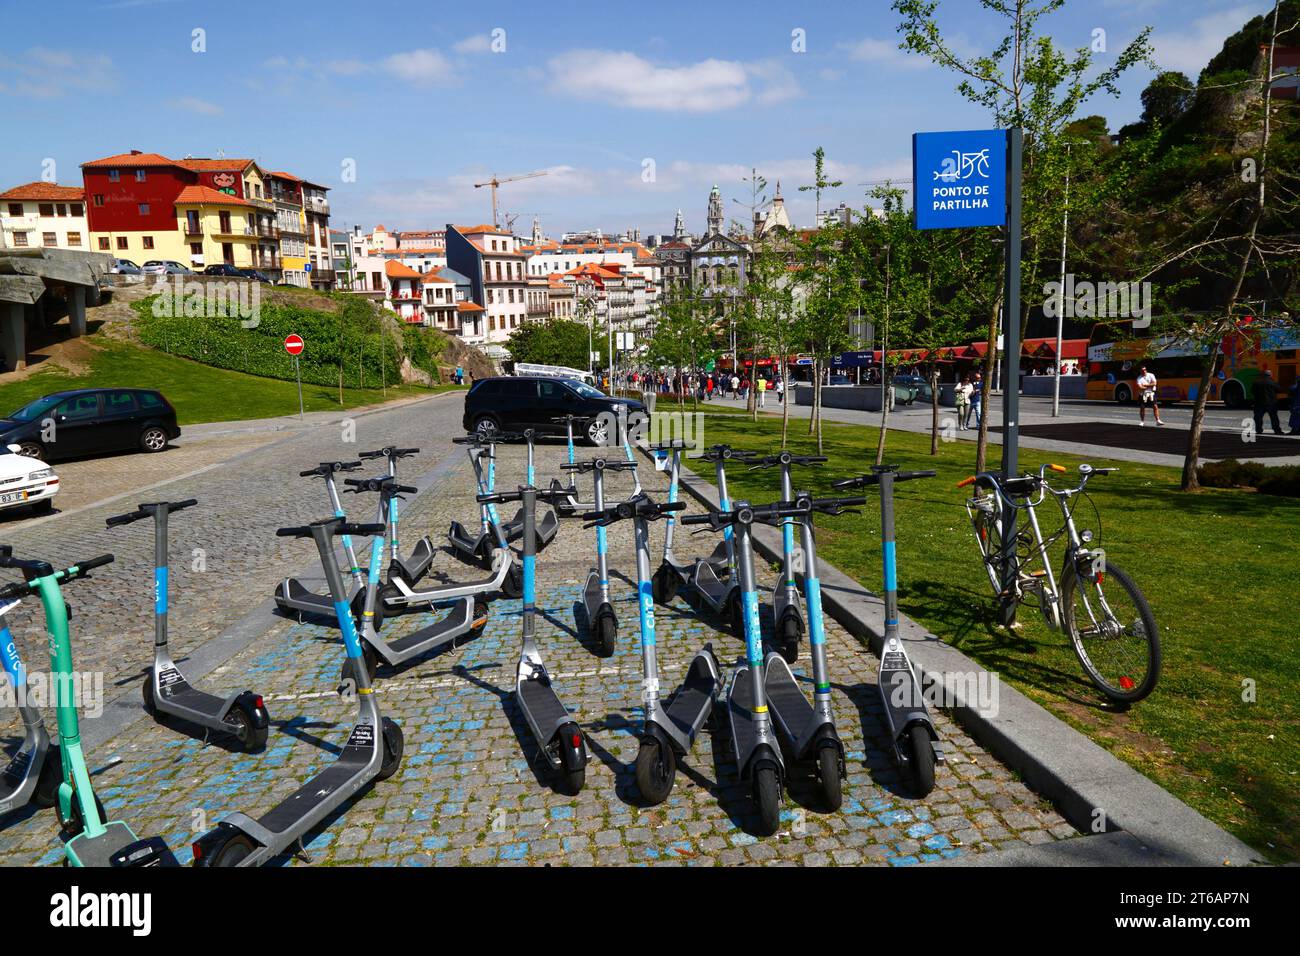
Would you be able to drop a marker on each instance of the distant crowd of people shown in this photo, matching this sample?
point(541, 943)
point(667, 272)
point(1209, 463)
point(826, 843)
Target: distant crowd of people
point(704, 385)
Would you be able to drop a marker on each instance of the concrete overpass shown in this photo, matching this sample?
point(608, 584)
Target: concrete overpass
point(36, 283)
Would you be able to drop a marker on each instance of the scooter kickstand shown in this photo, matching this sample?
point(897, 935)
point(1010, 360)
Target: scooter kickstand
point(301, 852)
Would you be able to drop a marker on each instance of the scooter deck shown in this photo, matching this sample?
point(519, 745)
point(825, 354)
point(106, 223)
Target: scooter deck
point(416, 564)
point(902, 697)
point(741, 707)
point(291, 594)
point(457, 621)
point(547, 527)
point(690, 706)
point(178, 697)
point(718, 558)
point(465, 545)
point(320, 788)
point(545, 709)
point(790, 708)
point(118, 846)
point(707, 583)
point(15, 772)
point(591, 596)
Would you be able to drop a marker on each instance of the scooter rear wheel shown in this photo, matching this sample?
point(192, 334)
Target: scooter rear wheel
point(767, 798)
point(828, 777)
point(656, 769)
point(146, 691)
point(922, 760)
point(243, 725)
point(394, 745)
point(513, 585)
point(233, 851)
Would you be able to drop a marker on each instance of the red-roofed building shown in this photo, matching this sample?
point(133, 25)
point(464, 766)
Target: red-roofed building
point(44, 214)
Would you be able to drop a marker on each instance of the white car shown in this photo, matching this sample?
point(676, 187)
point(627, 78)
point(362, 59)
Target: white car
point(26, 481)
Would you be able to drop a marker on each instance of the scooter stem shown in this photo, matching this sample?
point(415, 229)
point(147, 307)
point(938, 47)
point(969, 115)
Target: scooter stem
point(161, 574)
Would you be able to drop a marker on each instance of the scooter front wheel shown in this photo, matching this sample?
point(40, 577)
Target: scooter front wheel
point(513, 585)
point(791, 632)
point(828, 777)
point(767, 798)
point(656, 769)
point(921, 753)
point(606, 634)
point(46, 793)
point(75, 823)
point(394, 744)
point(663, 586)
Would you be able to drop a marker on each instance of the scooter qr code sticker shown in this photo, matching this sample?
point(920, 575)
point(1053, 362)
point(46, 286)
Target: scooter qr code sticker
point(169, 676)
point(363, 735)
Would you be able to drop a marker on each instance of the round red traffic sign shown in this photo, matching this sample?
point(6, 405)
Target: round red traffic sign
point(293, 344)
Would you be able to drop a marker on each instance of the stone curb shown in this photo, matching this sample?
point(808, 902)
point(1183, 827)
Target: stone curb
point(1080, 777)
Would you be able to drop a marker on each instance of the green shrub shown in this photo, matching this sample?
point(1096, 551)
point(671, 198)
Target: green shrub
point(1270, 480)
point(424, 348)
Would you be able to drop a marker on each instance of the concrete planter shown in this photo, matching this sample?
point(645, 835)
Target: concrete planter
point(862, 397)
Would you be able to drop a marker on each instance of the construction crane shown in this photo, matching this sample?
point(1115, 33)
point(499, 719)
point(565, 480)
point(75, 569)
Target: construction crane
point(494, 183)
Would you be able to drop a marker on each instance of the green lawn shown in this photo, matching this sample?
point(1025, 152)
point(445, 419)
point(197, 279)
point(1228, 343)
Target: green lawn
point(200, 393)
point(1216, 567)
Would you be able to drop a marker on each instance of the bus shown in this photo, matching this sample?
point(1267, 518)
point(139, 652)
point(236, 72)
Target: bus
point(1113, 366)
point(550, 371)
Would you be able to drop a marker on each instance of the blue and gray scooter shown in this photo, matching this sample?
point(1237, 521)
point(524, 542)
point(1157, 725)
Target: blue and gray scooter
point(167, 693)
point(808, 730)
point(291, 595)
point(547, 522)
point(670, 726)
point(413, 567)
point(911, 731)
point(32, 774)
point(602, 622)
point(559, 738)
point(373, 750)
point(753, 737)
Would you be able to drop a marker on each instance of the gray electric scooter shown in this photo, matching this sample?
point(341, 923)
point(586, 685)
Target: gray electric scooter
point(413, 567)
point(559, 738)
point(808, 730)
point(602, 622)
point(753, 737)
point(548, 523)
point(787, 616)
point(291, 595)
point(167, 693)
point(373, 750)
point(477, 547)
point(32, 774)
point(465, 615)
point(671, 726)
point(915, 742)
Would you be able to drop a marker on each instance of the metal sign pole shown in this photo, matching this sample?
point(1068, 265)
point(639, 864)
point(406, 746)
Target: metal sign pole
point(297, 374)
point(1011, 368)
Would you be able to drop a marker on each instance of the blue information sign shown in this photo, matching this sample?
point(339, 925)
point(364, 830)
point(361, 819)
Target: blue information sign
point(959, 179)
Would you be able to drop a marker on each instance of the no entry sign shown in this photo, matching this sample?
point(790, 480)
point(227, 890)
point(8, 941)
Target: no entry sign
point(293, 344)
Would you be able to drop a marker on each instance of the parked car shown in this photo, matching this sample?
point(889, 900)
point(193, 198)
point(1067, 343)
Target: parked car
point(838, 380)
point(511, 403)
point(87, 421)
point(254, 274)
point(124, 267)
point(913, 387)
point(160, 267)
point(223, 269)
point(26, 481)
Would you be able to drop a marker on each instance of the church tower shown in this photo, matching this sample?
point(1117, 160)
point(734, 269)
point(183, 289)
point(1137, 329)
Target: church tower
point(716, 215)
point(679, 226)
point(537, 232)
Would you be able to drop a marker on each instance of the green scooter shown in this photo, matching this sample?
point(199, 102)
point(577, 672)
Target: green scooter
point(89, 839)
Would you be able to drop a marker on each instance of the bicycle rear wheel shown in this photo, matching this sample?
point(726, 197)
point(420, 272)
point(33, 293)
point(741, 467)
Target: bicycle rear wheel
point(1112, 630)
point(987, 523)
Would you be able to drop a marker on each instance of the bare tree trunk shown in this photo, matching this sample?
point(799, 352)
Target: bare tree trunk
point(886, 394)
point(982, 442)
point(785, 403)
point(934, 410)
point(1190, 482)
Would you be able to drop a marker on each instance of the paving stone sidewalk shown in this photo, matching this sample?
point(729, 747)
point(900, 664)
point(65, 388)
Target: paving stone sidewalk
point(471, 791)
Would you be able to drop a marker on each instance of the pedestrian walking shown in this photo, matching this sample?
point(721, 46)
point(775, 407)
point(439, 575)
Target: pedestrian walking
point(1294, 423)
point(962, 393)
point(735, 386)
point(779, 385)
point(1264, 391)
point(1147, 384)
point(761, 384)
point(977, 398)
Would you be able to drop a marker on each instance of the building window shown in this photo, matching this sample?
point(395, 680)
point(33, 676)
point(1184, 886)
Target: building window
point(15, 209)
point(121, 242)
point(104, 243)
point(99, 199)
point(76, 209)
point(139, 175)
point(74, 238)
point(114, 176)
point(196, 248)
point(20, 238)
point(144, 209)
point(148, 241)
point(63, 210)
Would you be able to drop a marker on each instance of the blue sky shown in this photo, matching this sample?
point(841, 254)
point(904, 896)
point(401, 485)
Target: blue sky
point(415, 96)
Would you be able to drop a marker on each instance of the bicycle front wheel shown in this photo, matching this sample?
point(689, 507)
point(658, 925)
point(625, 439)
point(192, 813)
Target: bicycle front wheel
point(987, 523)
point(1113, 631)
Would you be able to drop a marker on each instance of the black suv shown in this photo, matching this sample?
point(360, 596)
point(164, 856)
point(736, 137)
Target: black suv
point(87, 421)
point(516, 402)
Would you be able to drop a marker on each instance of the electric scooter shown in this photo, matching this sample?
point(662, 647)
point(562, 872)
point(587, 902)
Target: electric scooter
point(758, 754)
point(32, 774)
point(713, 580)
point(601, 619)
point(915, 742)
point(291, 595)
point(559, 738)
point(670, 727)
point(808, 730)
point(373, 750)
point(476, 548)
point(466, 616)
point(569, 507)
point(786, 614)
point(241, 714)
point(547, 524)
point(89, 838)
point(414, 567)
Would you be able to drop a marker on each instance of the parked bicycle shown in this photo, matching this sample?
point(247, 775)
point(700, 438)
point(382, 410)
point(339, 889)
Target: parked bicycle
point(1106, 616)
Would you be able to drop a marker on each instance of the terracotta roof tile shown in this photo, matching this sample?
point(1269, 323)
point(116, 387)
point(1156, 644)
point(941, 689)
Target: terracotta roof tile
point(51, 191)
point(132, 159)
point(398, 270)
point(207, 196)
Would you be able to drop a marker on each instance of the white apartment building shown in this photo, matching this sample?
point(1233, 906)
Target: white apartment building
point(44, 214)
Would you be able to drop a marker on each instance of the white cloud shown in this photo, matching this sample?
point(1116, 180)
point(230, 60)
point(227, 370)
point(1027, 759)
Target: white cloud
point(47, 73)
point(478, 43)
point(626, 79)
point(418, 65)
point(1190, 50)
point(871, 50)
point(192, 104)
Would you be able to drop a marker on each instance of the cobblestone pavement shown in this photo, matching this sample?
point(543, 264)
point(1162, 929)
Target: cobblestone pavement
point(470, 790)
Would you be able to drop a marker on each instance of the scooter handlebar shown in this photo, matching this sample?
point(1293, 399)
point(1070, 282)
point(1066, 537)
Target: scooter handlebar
point(636, 508)
point(126, 518)
point(601, 464)
point(82, 568)
point(388, 451)
point(861, 481)
point(328, 468)
point(148, 508)
point(338, 527)
point(784, 458)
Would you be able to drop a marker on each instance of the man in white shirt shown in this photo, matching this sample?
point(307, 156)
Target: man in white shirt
point(1146, 383)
